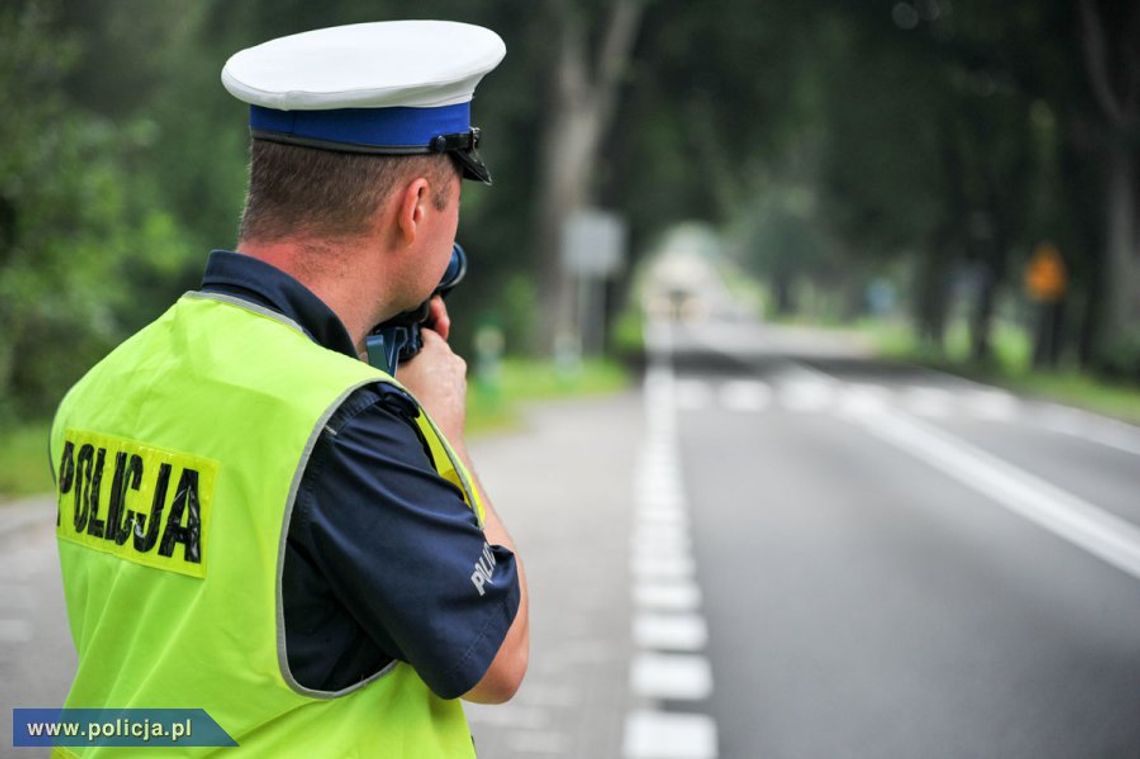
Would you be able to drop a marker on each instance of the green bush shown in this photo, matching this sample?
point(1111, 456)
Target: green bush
point(24, 468)
point(85, 252)
point(1120, 358)
point(628, 333)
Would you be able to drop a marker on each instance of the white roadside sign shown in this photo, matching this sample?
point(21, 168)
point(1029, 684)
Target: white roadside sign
point(593, 243)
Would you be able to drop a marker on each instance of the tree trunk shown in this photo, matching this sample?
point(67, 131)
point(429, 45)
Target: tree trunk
point(580, 113)
point(981, 324)
point(932, 302)
point(1108, 32)
point(1085, 295)
point(1091, 318)
point(1049, 338)
point(783, 294)
point(1120, 272)
point(995, 270)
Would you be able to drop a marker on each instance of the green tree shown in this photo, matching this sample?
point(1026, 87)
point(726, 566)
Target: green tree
point(74, 223)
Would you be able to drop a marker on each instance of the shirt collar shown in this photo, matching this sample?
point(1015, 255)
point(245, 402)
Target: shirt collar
point(256, 281)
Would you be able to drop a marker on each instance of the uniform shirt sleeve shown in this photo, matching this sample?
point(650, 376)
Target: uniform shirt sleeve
point(396, 548)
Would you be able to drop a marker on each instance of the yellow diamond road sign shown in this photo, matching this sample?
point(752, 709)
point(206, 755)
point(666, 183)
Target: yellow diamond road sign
point(1045, 277)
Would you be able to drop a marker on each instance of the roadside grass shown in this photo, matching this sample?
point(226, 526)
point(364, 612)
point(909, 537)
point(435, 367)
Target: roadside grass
point(24, 466)
point(491, 407)
point(1012, 345)
point(493, 403)
point(1010, 368)
point(1117, 400)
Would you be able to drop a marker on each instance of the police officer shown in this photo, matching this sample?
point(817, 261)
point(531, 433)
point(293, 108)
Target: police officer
point(252, 519)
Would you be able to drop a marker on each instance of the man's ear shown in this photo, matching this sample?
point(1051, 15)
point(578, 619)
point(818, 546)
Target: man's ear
point(413, 206)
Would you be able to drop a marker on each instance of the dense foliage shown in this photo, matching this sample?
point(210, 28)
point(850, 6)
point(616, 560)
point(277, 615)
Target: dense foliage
point(834, 141)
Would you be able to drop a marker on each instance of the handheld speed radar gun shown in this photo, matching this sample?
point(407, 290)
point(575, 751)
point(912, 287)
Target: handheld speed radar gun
point(398, 339)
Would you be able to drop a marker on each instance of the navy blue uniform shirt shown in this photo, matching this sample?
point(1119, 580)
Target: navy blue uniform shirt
point(381, 549)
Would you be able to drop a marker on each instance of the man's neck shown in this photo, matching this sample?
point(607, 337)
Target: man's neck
point(341, 277)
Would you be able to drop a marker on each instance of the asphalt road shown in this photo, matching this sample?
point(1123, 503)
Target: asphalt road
point(780, 548)
point(899, 563)
point(37, 658)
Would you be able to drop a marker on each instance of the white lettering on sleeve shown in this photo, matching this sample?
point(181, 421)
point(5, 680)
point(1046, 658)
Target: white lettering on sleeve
point(484, 569)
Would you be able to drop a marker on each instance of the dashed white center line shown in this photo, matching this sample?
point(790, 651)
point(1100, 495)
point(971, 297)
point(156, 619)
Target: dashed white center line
point(863, 400)
point(667, 735)
point(742, 395)
point(667, 621)
point(670, 632)
point(659, 499)
point(679, 595)
point(993, 405)
point(662, 515)
point(679, 677)
point(807, 395)
point(668, 539)
point(654, 567)
point(692, 395)
point(929, 401)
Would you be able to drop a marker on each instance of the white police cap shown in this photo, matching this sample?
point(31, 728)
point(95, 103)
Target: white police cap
point(388, 87)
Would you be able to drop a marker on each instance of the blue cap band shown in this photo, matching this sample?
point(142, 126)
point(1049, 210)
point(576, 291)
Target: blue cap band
point(376, 127)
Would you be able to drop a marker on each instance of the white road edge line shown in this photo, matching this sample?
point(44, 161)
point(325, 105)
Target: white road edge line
point(1099, 532)
point(1126, 439)
point(1091, 435)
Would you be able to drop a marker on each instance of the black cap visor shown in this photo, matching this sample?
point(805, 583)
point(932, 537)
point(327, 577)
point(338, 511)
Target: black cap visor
point(464, 148)
point(471, 165)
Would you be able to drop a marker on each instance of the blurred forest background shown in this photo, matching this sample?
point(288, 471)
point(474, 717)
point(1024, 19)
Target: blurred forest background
point(904, 159)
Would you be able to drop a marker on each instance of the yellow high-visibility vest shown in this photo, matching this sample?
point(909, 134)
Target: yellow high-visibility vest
point(177, 461)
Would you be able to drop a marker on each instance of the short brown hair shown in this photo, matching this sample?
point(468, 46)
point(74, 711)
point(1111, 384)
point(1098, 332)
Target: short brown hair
point(297, 191)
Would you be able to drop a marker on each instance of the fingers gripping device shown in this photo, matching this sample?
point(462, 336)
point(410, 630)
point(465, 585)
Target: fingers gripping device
point(398, 339)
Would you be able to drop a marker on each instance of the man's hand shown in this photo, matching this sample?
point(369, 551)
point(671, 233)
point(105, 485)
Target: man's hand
point(438, 319)
point(437, 377)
